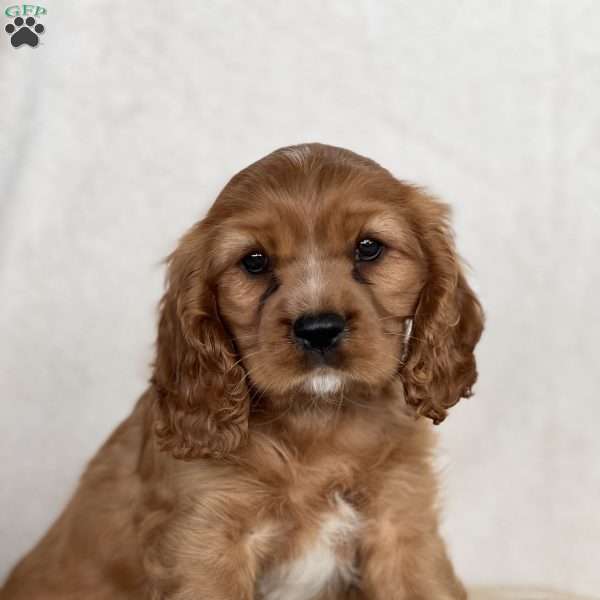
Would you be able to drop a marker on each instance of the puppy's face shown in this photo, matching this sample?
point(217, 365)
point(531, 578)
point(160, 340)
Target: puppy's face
point(317, 283)
point(314, 274)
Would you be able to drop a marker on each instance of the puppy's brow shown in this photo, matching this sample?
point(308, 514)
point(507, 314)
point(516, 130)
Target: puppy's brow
point(232, 243)
point(393, 231)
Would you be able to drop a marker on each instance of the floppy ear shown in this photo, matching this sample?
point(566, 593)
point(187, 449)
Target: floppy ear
point(202, 401)
point(440, 367)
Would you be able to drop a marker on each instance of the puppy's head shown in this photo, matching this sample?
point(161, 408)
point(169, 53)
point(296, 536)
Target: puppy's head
point(315, 272)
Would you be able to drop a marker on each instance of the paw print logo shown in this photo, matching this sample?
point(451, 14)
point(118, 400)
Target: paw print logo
point(24, 32)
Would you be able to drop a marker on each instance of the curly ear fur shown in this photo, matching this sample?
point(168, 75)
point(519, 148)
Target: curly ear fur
point(440, 368)
point(202, 401)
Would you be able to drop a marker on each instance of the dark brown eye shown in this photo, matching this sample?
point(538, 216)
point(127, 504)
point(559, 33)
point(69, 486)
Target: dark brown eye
point(368, 249)
point(255, 262)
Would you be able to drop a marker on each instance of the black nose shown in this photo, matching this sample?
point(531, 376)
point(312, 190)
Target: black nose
point(320, 331)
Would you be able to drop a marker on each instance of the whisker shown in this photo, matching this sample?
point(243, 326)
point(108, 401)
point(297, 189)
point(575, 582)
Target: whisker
point(396, 317)
point(244, 336)
point(237, 362)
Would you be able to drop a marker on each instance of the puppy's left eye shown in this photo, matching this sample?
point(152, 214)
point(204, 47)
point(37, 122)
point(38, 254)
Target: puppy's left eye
point(255, 262)
point(368, 249)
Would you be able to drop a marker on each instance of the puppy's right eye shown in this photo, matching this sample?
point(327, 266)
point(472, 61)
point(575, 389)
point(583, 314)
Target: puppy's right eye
point(255, 262)
point(368, 250)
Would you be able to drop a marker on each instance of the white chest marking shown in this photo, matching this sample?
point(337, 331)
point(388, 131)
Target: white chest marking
point(307, 575)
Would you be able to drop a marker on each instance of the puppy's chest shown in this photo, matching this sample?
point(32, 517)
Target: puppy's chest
point(321, 559)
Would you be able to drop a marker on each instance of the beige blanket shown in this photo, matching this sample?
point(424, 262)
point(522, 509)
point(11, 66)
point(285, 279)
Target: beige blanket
point(520, 593)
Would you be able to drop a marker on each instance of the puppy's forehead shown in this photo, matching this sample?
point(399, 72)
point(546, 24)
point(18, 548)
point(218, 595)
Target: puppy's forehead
point(327, 219)
point(313, 195)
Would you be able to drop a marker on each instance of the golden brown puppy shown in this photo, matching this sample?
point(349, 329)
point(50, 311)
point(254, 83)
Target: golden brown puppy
point(310, 320)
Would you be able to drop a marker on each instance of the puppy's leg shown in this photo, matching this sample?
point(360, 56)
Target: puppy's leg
point(402, 556)
point(409, 568)
point(204, 553)
point(223, 572)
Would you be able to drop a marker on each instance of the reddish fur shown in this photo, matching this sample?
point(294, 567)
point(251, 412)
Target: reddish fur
point(227, 465)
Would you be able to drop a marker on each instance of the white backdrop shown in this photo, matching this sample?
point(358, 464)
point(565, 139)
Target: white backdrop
point(118, 131)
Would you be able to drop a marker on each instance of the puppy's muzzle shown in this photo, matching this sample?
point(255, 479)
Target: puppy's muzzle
point(319, 332)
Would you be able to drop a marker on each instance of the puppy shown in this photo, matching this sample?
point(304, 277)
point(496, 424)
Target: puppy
point(314, 324)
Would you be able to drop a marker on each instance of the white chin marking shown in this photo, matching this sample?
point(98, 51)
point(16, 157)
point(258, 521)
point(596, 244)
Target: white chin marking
point(324, 384)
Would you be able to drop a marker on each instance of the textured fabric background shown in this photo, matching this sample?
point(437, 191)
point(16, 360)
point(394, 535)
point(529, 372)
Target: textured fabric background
point(118, 131)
